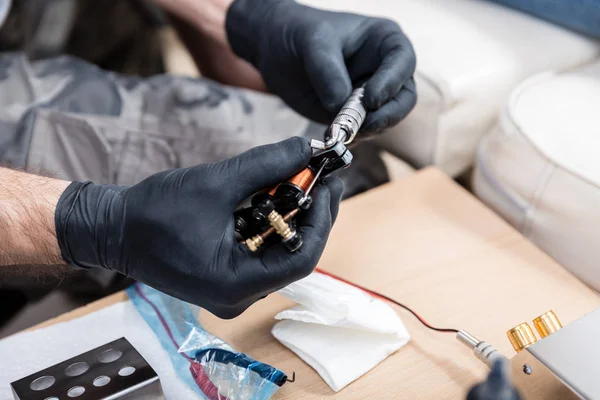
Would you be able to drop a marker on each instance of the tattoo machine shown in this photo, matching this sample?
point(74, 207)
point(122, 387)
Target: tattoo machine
point(273, 210)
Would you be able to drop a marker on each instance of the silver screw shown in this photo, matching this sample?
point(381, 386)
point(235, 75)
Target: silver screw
point(527, 369)
point(317, 144)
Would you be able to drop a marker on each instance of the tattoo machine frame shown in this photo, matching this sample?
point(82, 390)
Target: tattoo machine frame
point(274, 210)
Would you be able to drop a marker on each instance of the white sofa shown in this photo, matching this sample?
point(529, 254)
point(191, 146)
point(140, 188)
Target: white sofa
point(532, 90)
point(470, 55)
point(540, 167)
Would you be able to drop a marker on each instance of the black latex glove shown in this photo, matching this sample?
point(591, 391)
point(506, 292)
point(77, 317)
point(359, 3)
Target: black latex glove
point(312, 58)
point(498, 385)
point(175, 230)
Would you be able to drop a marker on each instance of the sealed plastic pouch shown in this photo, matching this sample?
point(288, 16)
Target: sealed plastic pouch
point(208, 365)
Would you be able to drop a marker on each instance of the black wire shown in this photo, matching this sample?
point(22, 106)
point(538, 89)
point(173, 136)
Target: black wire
point(417, 316)
point(421, 320)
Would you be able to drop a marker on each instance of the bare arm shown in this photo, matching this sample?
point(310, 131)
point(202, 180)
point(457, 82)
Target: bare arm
point(27, 230)
point(201, 26)
point(208, 16)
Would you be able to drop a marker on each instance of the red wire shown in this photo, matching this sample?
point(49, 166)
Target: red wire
point(162, 320)
point(196, 370)
point(384, 297)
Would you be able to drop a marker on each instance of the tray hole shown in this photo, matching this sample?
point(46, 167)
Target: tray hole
point(76, 369)
point(126, 371)
point(109, 356)
point(42, 383)
point(76, 391)
point(101, 381)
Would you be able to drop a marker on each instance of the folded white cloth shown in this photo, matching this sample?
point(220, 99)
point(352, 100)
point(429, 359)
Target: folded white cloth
point(339, 330)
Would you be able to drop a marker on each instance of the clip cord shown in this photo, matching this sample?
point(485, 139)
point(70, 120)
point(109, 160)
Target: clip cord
point(386, 298)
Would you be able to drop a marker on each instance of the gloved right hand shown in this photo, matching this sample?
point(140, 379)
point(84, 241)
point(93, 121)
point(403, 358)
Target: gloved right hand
point(175, 230)
point(314, 58)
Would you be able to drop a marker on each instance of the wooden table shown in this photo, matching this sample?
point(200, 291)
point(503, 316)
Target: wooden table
point(427, 242)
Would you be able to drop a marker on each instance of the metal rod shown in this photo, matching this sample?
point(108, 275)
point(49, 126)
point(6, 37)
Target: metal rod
point(485, 352)
point(314, 181)
point(467, 339)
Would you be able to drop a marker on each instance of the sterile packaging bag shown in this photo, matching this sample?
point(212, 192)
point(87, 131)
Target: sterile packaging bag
point(339, 330)
point(206, 363)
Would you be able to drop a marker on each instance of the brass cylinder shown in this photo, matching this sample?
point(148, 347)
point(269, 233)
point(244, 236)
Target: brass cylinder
point(521, 336)
point(281, 227)
point(547, 323)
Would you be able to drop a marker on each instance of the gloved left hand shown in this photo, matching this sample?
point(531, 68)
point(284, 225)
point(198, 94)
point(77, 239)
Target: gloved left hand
point(175, 230)
point(313, 59)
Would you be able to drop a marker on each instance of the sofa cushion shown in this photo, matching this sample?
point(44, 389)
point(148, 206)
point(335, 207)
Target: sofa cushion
point(540, 167)
point(470, 55)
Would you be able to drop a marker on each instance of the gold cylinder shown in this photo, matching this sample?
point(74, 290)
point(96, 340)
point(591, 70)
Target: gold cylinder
point(281, 227)
point(521, 336)
point(547, 323)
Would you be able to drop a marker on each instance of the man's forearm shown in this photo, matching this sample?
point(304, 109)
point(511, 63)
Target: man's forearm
point(27, 229)
point(201, 26)
point(208, 16)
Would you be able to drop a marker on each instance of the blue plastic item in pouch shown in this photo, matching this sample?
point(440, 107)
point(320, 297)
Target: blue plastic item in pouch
point(206, 363)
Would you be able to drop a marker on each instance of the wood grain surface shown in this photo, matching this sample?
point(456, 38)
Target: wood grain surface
point(428, 243)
